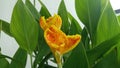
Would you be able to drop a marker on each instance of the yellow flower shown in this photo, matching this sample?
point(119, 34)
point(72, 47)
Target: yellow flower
point(46, 23)
point(59, 42)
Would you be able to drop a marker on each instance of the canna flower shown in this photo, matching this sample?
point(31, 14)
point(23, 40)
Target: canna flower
point(59, 42)
point(46, 23)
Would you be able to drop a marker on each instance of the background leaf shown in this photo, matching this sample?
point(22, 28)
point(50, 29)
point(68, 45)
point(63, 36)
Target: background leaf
point(33, 10)
point(102, 49)
point(112, 62)
point(118, 48)
point(74, 26)
point(108, 27)
point(5, 27)
point(44, 11)
point(62, 11)
point(24, 27)
point(78, 57)
point(4, 63)
point(43, 49)
point(89, 12)
point(20, 59)
point(107, 24)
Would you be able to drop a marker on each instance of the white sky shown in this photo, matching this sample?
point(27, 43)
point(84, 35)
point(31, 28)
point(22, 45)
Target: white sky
point(115, 4)
point(8, 44)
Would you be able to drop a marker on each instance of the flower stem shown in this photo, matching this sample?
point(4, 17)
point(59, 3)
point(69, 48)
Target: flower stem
point(59, 65)
point(58, 58)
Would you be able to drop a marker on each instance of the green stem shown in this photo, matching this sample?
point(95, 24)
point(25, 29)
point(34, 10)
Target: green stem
point(58, 58)
point(59, 65)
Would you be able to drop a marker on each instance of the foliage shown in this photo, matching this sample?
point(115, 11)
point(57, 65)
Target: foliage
point(99, 48)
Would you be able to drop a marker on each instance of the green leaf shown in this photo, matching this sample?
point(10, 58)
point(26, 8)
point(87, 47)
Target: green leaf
point(118, 48)
point(77, 59)
point(101, 49)
point(62, 11)
point(24, 27)
point(74, 26)
point(118, 18)
point(5, 27)
point(4, 63)
point(20, 58)
point(43, 49)
point(43, 52)
point(85, 39)
point(108, 26)
point(89, 12)
point(42, 64)
point(32, 9)
point(109, 61)
point(48, 66)
point(44, 11)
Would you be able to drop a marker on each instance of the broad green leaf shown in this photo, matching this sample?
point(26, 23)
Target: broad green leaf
point(42, 64)
point(43, 48)
point(44, 11)
point(5, 27)
point(108, 25)
point(118, 48)
point(74, 26)
point(101, 49)
point(77, 59)
point(62, 11)
point(4, 63)
point(109, 61)
point(89, 12)
point(118, 54)
point(32, 9)
point(20, 59)
point(24, 27)
point(85, 39)
point(118, 18)
point(47, 66)
point(43, 52)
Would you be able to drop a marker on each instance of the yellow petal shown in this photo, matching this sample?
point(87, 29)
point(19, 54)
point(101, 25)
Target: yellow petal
point(46, 23)
point(58, 41)
point(72, 42)
point(43, 23)
point(55, 20)
point(55, 38)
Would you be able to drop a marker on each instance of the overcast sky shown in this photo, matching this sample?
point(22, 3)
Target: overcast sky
point(8, 44)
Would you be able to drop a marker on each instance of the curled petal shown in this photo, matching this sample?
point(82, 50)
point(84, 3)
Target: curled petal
point(59, 42)
point(55, 38)
point(46, 23)
point(43, 23)
point(55, 20)
point(72, 42)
